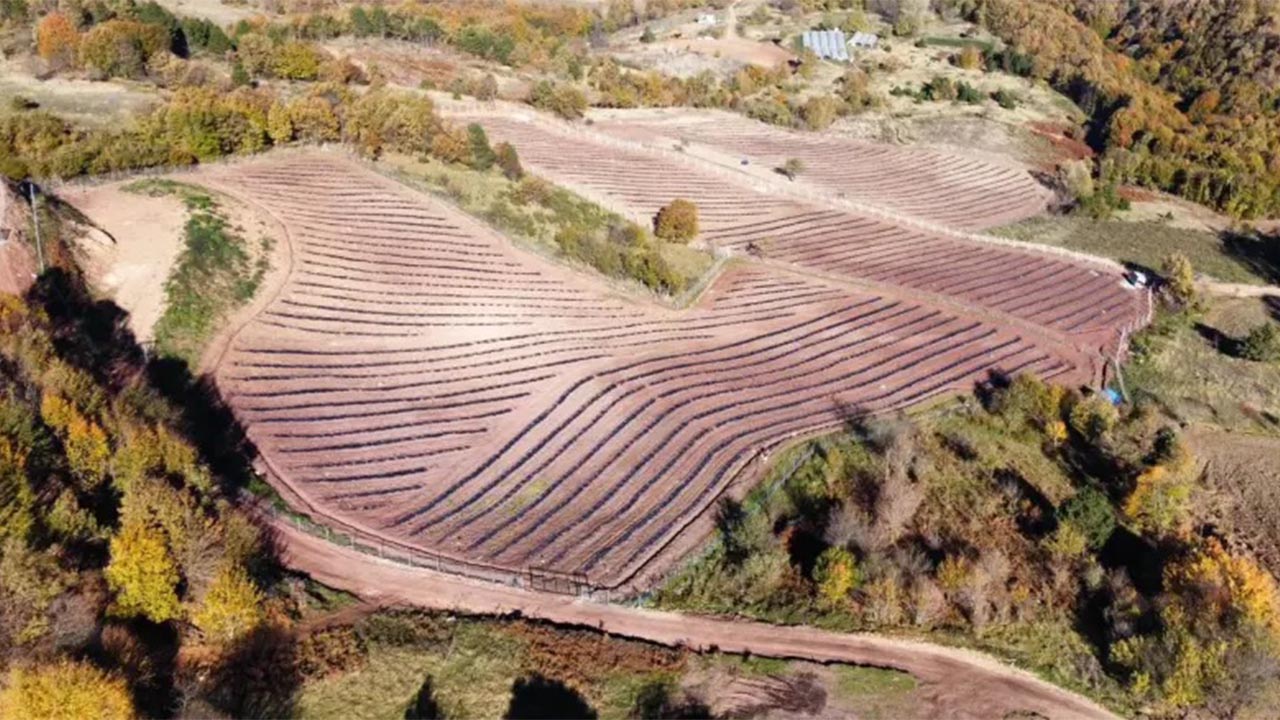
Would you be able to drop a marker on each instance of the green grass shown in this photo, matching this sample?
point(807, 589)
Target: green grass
point(955, 42)
point(857, 681)
point(1146, 244)
point(214, 274)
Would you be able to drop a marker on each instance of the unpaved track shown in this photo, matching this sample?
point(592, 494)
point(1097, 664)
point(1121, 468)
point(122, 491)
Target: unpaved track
point(955, 683)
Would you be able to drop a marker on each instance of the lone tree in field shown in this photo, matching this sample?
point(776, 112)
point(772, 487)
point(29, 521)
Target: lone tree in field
point(677, 222)
point(791, 168)
point(1180, 280)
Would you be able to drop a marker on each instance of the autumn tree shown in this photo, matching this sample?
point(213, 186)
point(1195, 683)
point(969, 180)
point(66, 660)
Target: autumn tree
point(64, 689)
point(1160, 503)
point(509, 161)
point(296, 60)
point(143, 574)
point(1180, 279)
point(451, 145)
point(231, 607)
point(121, 48)
point(676, 221)
point(835, 575)
point(819, 112)
point(57, 40)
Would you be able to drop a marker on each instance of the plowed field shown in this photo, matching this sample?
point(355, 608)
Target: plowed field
point(421, 380)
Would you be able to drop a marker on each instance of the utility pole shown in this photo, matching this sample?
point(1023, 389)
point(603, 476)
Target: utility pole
point(35, 218)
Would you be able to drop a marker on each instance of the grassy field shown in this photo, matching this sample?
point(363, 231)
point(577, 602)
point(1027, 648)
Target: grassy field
point(1185, 366)
point(216, 272)
point(1240, 259)
point(418, 664)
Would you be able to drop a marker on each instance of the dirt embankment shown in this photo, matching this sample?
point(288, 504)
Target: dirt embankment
point(955, 683)
point(17, 261)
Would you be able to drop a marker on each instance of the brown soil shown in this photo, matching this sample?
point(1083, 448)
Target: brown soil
point(1242, 478)
point(130, 264)
point(420, 381)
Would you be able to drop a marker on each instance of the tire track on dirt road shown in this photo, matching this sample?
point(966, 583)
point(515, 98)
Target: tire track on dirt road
point(955, 683)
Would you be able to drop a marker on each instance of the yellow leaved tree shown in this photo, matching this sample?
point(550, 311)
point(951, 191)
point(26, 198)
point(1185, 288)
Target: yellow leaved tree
point(64, 690)
point(143, 574)
point(231, 607)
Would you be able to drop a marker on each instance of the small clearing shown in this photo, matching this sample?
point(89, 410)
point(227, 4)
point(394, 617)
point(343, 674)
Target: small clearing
point(148, 238)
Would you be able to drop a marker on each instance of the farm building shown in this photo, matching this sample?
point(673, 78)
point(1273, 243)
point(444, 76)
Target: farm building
point(864, 40)
point(826, 44)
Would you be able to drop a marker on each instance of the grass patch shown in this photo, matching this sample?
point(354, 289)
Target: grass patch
point(854, 682)
point(559, 223)
point(1229, 259)
point(215, 273)
point(954, 42)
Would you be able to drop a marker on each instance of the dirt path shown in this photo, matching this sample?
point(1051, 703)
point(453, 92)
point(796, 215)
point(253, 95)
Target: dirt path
point(955, 683)
point(1239, 290)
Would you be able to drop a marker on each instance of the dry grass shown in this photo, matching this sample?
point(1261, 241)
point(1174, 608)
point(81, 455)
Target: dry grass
point(1142, 243)
point(1194, 380)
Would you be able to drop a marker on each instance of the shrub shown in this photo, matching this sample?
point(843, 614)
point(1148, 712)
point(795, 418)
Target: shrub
point(1006, 99)
point(969, 58)
point(564, 100)
point(1094, 417)
point(297, 61)
point(791, 168)
point(836, 575)
point(677, 221)
point(1262, 344)
point(819, 112)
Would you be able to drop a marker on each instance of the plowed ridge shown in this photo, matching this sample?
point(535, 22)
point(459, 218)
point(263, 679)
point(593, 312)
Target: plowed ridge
point(418, 378)
point(931, 184)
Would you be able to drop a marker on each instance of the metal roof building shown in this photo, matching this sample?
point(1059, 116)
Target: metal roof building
point(826, 44)
point(864, 40)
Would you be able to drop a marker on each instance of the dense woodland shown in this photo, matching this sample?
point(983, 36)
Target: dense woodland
point(1182, 96)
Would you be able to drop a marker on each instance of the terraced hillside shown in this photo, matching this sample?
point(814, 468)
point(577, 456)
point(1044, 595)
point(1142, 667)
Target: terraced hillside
point(930, 184)
point(1083, 301)
point(421, 380)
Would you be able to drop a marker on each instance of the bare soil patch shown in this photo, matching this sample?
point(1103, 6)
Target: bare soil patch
point(1242, 477)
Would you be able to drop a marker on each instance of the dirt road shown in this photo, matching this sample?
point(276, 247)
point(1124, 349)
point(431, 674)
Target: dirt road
point(955, 683)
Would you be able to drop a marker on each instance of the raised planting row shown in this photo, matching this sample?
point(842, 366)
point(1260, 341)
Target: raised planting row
point(1060, 295)
point(930, 184)
point(418, 378)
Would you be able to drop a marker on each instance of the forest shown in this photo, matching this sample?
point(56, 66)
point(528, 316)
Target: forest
point(1181, 97)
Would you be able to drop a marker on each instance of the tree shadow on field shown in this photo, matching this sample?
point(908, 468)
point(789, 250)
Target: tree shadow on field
point(537, 698)
point(1255, 251)
point(1272, 303)
point(258, 676)
point(424, 705)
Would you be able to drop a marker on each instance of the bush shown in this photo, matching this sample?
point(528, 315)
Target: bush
point(1262, 344)
point(819, 112)
point(297, 61)
point(677, 221)
point(1006, 99)
point(564, 100)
